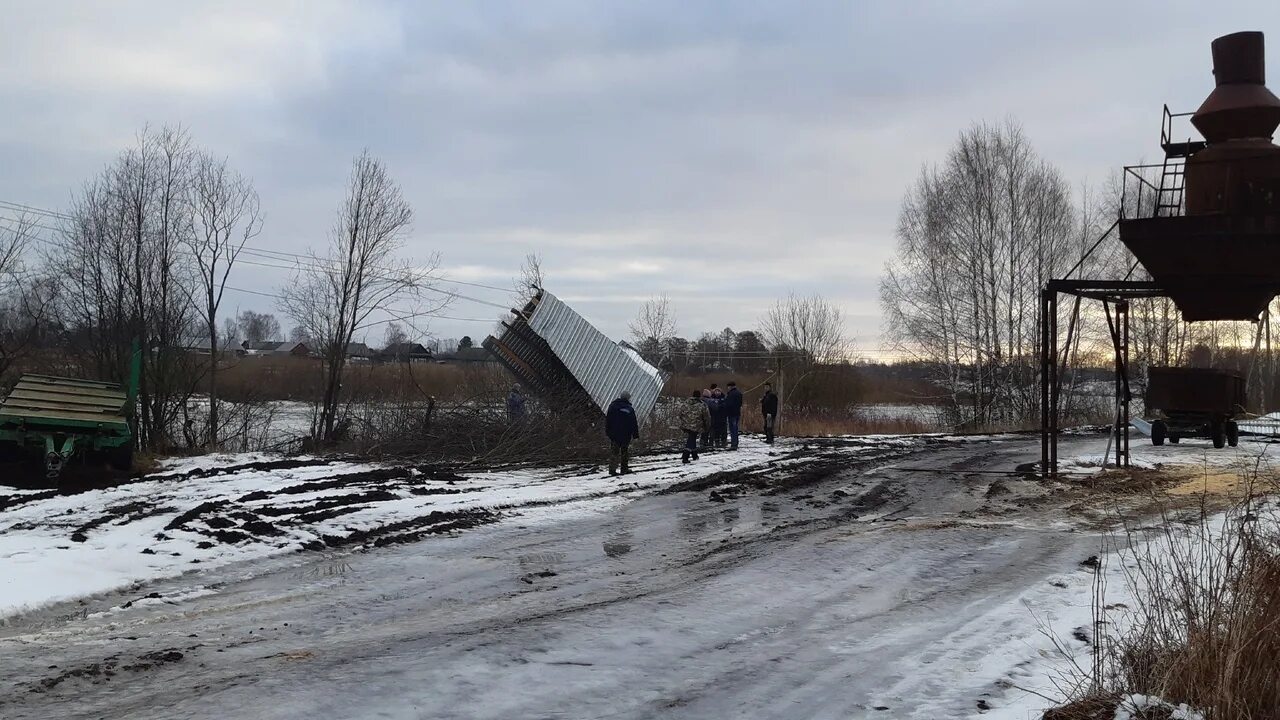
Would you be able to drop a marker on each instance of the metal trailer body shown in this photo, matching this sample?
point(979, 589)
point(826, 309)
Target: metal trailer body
point(1194, 402)
point(559, 354)
point(601, 366)
point(59, 418)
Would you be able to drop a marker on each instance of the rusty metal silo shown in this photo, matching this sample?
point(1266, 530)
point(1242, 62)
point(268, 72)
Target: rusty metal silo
point(1217, 251)
point(1239, 169)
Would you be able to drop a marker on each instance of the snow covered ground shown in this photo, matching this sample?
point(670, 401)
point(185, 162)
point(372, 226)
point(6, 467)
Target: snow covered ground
point(897, 577)
point(209, 511)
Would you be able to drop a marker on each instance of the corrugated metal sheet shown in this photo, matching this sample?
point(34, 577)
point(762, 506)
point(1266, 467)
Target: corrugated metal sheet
point(601, 366)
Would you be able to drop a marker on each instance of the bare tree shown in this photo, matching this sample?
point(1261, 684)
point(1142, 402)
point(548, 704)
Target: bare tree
point(24, 300)
point(230, 333)
point(529, 283)
point(653, 328)
point(259, 327)
point(811, 326)
point(15, 236)
point(224, 216)
point(333, 297)
point(977, 240)
point(125, 276)
point(394, 334)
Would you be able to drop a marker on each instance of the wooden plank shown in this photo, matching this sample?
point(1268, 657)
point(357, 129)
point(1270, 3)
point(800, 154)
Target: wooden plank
point(55, 396)
point(7, 415)
point(13, 403)
point(54, 379)
point(26, 383)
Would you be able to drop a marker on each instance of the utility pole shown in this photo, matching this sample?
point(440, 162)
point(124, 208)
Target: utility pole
point(777, 419)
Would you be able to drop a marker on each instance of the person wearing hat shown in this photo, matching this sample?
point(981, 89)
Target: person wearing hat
point(621, 427)
point(707, 436)
point(515, 405)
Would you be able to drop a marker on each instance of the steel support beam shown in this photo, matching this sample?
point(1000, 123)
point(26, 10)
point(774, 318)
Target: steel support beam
point(1112, 294)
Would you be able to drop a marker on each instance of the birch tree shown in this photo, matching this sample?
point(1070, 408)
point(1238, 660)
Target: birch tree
point(225, 215)
point(653, 328)
point(978, 238)
point(335, 296)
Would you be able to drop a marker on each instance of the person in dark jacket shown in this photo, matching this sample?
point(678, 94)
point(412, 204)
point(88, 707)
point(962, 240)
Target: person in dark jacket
point(515, 405)
point(707, 436)
point(719, 421)
point(769, 409)
point(621, 427)
point(732, 408)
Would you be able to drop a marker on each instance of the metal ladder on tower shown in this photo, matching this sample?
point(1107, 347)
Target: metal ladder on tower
point(1173, 174)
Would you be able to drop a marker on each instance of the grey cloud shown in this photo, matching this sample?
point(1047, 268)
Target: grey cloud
point(745, 149)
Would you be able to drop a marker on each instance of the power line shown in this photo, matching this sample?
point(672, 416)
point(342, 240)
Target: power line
point(21, 222)
point(38, 211)
point(425, 314)
point(20, 207)
point(283, 254)
point(319, 268)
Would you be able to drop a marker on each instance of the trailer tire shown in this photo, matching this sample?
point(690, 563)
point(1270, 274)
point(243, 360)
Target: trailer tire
point(1175, 438)
point(1158, 432)
point(121, 458)
point(1218, 431)
point(1233, 433)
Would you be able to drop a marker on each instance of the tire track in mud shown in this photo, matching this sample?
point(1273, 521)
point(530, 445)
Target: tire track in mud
point(273, 516)
point(799, 468)
point(280, 516)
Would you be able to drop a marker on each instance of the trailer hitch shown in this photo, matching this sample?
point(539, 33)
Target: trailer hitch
point(55, 459)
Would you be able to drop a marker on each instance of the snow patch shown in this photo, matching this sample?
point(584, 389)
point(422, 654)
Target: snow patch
point(1138, 705)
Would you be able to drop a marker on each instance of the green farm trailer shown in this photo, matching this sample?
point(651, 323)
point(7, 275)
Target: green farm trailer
point(66, 421)
point(1194, 402)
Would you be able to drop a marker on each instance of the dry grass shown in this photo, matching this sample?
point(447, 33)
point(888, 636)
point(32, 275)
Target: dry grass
point(293, 378)
point(145, 463)
point(1204, 626)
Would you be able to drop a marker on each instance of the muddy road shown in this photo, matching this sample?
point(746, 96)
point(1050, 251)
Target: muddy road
point(871, 587)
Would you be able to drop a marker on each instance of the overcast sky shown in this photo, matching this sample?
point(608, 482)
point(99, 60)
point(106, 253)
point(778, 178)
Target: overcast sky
point(722, 153)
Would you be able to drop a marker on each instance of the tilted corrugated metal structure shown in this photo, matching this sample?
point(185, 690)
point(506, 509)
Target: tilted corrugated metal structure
point(556, 352)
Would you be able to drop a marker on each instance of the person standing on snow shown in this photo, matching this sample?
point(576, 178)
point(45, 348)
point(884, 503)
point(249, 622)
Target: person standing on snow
point(732, 409)
point(515, 405)
point(719, 422)
point(769, 409)
point(621, 427)
point(695, 420)
point(709, 403)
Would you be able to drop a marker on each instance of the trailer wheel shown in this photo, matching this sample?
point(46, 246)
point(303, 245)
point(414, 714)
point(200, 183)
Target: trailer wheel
point(1158, 432)
point(1175, 438)
point(121, 458)
point(1218, 431)
point(1233, 433)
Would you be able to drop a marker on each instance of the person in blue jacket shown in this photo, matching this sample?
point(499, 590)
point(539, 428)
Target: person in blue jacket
point(516, 405)
point(732, 408)
point(621, 427)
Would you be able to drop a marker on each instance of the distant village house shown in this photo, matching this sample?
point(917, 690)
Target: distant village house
point(408, 352)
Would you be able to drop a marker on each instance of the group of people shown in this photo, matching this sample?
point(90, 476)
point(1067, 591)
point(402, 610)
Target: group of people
point(709, 418)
